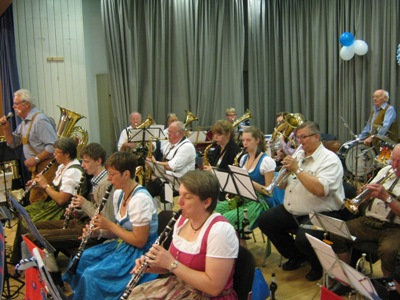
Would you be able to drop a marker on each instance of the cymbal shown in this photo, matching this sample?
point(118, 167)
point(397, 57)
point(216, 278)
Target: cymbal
point(385, 139)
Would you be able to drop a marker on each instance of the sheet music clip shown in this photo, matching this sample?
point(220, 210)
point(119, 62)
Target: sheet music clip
point(341, 271)
point(332, 225)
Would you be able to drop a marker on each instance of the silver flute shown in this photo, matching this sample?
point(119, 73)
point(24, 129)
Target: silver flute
point(159, 241)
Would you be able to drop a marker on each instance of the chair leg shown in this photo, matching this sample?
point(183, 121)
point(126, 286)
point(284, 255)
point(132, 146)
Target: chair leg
point(267, 252)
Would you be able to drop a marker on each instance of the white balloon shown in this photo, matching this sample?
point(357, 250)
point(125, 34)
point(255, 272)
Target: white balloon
point(360, 47)
point(347, 53)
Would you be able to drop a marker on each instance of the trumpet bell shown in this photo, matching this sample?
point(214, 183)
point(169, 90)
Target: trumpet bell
point(149, 121)
point(247, 115)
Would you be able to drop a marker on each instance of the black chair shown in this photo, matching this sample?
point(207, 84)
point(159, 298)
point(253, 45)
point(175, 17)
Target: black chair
point(164, 217)
point(245, 266)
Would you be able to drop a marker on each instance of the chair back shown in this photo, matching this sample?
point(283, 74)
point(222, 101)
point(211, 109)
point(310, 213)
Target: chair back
point(164, 217)
point(244, 273)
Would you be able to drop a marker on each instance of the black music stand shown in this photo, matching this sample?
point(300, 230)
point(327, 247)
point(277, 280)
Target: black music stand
point(330, 224)
point(237, 182)
point(10, 154)
point(170, 180)
point(31, 226)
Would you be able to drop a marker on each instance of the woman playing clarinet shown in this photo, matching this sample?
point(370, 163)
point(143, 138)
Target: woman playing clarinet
point(103, 271)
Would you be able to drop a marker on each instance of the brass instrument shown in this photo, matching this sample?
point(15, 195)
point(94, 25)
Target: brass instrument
point(190, 117)
point(159, 241)
point(149, 121)
point(290, 123)
point(139, 174)
point(283, 173)
point(231, 198)
point(247, 115)
point(353, 204)
point(206, 161)
point(147, 170)
point(66, 127)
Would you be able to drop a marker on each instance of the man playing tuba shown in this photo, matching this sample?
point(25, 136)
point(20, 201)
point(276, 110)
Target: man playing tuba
point(36, 134)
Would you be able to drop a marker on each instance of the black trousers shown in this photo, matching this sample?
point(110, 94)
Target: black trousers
point(278, 224)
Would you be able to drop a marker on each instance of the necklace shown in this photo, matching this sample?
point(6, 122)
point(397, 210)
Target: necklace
point(249, 168)
point(127, 197)
point(198, 228)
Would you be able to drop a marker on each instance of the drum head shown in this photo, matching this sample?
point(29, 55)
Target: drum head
point(359, 159)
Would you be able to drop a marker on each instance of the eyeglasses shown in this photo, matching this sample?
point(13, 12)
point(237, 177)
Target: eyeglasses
point(303, 137)
point(20, 102)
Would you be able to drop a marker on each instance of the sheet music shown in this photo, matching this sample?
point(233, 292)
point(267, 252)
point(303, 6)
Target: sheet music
point(151, 133)
point(332, 225)
point(243, 183)
point(198, 136)
point(225, 181)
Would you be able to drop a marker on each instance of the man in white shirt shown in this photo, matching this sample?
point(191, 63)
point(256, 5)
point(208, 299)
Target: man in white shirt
point(123, 142)
point(315, 185)
point(179, 155)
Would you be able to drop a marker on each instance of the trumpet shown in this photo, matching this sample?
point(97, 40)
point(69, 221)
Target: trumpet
point(353, 204)
point(283, 174)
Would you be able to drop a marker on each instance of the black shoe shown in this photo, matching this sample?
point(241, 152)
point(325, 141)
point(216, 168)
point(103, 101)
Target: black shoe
point(314, 275)
point(293, 263)
point(340, 289)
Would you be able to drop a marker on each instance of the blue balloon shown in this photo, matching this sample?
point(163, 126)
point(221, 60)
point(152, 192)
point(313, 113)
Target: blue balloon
point(346, 39)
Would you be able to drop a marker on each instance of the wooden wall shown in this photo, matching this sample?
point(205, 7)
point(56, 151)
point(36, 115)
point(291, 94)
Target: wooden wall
point(50, 54)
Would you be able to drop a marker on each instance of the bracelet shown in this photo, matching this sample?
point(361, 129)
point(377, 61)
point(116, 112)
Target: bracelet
point(47, 186)
point(100, 234)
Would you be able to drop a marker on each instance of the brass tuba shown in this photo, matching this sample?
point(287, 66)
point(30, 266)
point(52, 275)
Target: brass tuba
point(247, 115)
point(290, 123)
point(66, 127)
point(190, 117)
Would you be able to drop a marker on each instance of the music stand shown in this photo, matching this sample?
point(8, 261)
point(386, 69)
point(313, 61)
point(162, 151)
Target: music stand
point(341, 271)
point(31, 226)
point(198, 136)
point(332, 225)
point(170, 180)
point(238, 182)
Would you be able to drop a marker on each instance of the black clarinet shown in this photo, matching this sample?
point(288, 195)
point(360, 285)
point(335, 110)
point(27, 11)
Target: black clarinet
point(68, 214)
point(28, 189)
point(159, 241)
point(82, 246)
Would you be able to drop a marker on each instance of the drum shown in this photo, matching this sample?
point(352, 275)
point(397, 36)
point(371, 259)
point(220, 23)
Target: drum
point(384, 156)
point(358, 159)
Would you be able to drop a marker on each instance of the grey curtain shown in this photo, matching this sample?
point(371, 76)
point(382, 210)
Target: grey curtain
point(174, 56)
point(294, 61)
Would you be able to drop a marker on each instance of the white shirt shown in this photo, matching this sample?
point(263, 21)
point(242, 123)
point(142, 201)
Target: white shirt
point(379, 209)
point(181, 157)
point(123, 138)
point(326, 166)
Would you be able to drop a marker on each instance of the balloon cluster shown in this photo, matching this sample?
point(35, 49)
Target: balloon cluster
point(351, 46)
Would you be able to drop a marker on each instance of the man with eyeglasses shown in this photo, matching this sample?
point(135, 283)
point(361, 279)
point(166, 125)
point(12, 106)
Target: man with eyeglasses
point(36, 134)
point(314, 185)
point(382, 120)
point(179, 156)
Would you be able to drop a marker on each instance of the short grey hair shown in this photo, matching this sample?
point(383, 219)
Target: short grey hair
point(25, 95)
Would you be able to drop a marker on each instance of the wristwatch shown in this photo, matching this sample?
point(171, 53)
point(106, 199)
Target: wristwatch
point(299, 170)
point(37, 159)
point(174, 265)
point(389, 200)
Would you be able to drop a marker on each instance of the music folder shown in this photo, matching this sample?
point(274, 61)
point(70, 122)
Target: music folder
point(332, 225)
